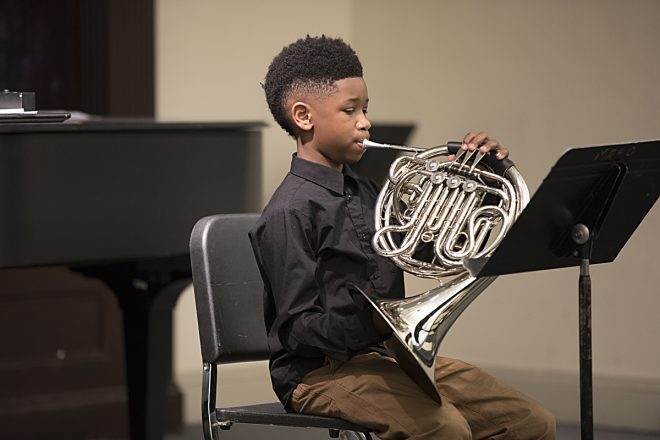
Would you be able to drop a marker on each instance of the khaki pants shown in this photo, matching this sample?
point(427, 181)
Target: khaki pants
point(372, 390)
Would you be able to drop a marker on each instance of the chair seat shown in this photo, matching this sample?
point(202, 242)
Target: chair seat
point(275, 414)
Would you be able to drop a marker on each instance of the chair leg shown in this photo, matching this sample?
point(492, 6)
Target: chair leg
point(209, 381)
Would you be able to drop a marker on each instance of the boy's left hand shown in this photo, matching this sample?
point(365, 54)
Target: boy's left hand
point(485, 143)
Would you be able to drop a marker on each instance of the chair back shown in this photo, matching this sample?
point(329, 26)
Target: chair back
point(228, 290)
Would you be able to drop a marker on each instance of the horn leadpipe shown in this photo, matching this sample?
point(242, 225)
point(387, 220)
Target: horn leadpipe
point(449, 148)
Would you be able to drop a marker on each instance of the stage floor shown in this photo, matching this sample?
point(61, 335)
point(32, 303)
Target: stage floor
point(250, 432)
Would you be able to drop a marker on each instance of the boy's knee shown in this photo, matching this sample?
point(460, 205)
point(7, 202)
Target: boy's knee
point(541, 424)
point(454, 428)
point(458, 430)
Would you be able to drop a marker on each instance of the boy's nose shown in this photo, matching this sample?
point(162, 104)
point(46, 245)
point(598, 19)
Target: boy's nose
point(364, 123)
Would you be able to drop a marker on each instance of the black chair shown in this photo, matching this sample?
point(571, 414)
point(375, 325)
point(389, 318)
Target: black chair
point(229, 302)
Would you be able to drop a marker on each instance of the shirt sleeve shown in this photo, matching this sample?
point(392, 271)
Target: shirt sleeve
point(310, 321)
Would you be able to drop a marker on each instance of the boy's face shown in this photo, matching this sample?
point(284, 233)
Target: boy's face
point(338, 123)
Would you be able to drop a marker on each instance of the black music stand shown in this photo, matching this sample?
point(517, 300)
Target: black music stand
point(583, 213)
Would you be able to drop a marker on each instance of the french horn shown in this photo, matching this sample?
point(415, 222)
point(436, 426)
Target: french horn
point(433, 216)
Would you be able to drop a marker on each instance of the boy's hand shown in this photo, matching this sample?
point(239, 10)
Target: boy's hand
point(481, 140)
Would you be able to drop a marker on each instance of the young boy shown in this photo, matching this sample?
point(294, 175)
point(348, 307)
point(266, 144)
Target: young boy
point(314, 239)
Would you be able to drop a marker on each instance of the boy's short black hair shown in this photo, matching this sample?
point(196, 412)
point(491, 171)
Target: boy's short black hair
point(311, 64)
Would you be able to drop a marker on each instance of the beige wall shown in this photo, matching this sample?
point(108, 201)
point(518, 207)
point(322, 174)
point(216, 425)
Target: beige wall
point(539, 76)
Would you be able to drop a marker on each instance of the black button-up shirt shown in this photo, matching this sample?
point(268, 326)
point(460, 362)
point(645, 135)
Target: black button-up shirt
point(313, 238)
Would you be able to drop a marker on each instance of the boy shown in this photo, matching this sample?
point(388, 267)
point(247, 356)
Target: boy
point(314, 239)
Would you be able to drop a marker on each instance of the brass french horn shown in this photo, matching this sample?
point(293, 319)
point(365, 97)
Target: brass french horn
point(430, 218)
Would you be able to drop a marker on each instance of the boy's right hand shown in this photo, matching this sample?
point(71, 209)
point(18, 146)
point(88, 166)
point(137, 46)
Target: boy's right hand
point(483, 142)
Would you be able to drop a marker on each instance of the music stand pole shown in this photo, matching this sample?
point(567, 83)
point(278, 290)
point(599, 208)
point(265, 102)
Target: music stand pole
point(581, 236)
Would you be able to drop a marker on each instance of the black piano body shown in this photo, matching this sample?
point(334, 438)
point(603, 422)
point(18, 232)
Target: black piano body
point(114, 201)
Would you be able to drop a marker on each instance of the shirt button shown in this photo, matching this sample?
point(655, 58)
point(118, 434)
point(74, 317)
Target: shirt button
point(349, 197)
point(365, 237)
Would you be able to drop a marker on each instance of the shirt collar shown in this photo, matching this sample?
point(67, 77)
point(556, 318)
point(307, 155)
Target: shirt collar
point(326, 177)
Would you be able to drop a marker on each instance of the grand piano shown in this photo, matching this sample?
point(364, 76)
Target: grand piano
point(113, 203)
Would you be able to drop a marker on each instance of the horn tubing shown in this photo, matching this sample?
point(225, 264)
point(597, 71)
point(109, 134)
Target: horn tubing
point(371, 144)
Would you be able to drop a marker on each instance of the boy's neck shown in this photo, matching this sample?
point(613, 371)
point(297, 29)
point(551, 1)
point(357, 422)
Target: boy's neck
point(306, 151)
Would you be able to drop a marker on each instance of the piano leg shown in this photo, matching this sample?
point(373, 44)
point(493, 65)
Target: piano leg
point(148, 342)
point(147, 302)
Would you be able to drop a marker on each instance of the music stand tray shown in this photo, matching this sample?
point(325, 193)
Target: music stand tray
point(584, 212)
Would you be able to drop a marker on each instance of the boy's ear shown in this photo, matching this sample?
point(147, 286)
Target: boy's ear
point(300, 113)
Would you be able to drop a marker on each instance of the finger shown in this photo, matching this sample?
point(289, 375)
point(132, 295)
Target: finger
point(502, 153)
point(493, 145)
point(451, 157)
point(472, 141)
point(480, 139)
point(490, 144)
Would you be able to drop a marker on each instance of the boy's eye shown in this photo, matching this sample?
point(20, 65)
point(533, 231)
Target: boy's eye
point(351, 110)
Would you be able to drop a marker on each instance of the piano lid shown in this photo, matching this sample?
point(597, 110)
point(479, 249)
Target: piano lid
point(92, 193)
